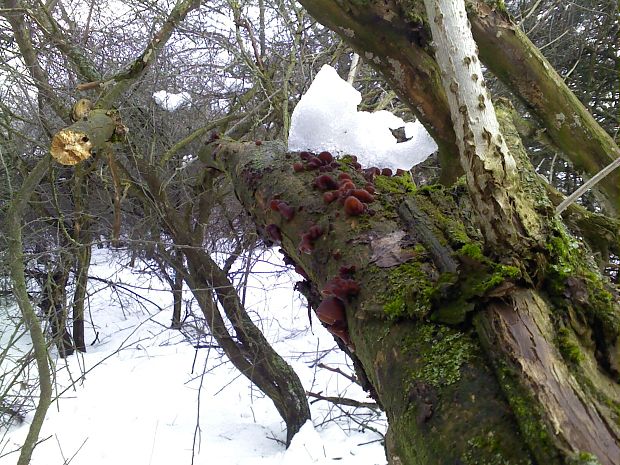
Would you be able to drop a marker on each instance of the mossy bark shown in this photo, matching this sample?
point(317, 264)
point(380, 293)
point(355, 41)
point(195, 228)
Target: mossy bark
point(394, 38)
point(16, 258)
point(433, 327)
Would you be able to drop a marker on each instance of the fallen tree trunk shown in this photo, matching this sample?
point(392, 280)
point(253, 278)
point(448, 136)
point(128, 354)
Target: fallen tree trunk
point(439, 329)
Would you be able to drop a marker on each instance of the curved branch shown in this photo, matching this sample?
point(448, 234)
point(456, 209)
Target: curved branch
point(119, 83)
point(16, 264)
point(512, 57)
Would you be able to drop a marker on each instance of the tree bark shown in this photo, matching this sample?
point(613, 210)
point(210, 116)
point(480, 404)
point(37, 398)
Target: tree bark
point(439, 329)
point(394, 38)
point(16, 264)
point(177, 297)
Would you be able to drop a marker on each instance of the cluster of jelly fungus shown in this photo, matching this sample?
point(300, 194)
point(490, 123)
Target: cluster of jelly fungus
point(331, 311)
point(332, 315)
point(326, 157)
point(258, 142)
point(308, 238)
point(343, 334)
point(283, 208)
point(323, 162)
point(370, 173)
point(342, 286)
point(325, 182)
point(353, 206)
point(351, 197)
point(336, 292)
point(289, 261)
point(299, 270)
point(274, 232)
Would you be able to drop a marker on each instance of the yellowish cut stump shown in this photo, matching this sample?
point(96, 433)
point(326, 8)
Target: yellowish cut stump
point(71, 147)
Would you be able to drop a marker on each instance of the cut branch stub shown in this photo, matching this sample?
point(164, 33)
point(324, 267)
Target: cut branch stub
point(77, 142)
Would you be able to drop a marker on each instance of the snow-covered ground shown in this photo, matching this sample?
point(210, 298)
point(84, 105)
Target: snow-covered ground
point(142, 394)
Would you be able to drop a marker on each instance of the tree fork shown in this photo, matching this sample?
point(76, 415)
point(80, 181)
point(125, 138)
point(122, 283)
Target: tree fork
point(393, 38)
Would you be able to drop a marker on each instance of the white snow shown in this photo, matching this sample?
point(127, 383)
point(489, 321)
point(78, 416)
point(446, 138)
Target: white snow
point(139, 396)
point(171, 102)
point(326, 118)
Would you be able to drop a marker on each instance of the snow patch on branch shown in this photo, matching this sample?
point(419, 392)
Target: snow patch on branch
point(326, 118)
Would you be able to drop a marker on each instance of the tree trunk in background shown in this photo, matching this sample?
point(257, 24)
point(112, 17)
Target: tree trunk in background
point(177, 296)
point(471, 359)
point(82, 237)
point(245, 346)
point(54, 304)
point(79, 295)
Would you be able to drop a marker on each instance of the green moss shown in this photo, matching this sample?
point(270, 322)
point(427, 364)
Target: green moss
point(414, 12)
point(472, 250)
point(499, 274)
point(529, 418)
point(409, 292)
point(395, 184)
point(489, 447)
point(576, 288)
point(442, 352)
point(413, 294)
point(568, 346)
point(584, 458)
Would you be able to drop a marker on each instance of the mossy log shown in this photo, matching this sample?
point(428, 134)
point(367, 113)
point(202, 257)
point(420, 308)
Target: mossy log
point(472, 362)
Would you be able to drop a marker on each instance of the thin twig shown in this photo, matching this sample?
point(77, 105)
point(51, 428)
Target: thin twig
point(344, 401)
point(351, 378)
point(587, 185)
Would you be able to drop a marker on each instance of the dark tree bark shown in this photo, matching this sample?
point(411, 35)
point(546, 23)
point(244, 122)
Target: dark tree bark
point(54, 305)
point(82, 237)
point(177, 295)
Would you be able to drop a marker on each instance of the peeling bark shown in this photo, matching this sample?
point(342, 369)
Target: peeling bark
point(520, 334)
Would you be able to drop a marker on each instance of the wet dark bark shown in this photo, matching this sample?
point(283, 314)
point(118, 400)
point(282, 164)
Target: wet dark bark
point(177, 296)
point(53, 305)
